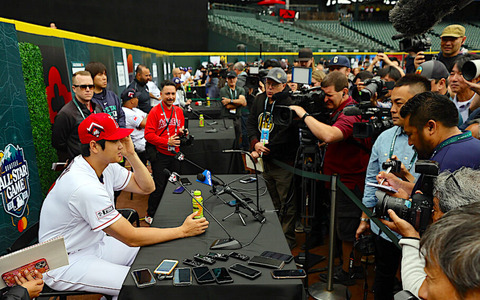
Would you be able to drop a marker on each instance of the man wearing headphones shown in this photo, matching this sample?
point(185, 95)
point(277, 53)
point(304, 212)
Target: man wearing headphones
point(346, 156)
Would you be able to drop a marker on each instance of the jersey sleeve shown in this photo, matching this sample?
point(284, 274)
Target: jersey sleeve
point(93, 204)
point(120, 175)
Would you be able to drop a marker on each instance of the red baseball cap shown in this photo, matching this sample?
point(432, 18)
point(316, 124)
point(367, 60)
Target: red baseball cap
point(101, 126)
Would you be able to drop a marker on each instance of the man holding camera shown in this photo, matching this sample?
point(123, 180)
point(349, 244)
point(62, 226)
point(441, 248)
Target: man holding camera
point(346, 156)
point(455, 192)
point(271, 140)
point(392, 142)
point(432, 130)
point(165, 126)
point(452, 39)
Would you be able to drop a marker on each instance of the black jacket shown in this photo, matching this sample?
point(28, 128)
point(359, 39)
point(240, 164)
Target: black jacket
point(111, 104)
point(16, 293)
point(144, 98)
point(283, 140)
point(65, 129)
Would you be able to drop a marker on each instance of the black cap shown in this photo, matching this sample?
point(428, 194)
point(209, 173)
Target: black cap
point(231, 74)
point(432, 69)
point(129, 94)
point(305, 54)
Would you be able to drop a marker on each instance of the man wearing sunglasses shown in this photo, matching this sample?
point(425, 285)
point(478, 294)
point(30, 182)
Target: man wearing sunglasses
point(65, 128)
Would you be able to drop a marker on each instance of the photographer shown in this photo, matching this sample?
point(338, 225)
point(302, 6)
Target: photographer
point(452, 39)
point(275, 141)
point(391, 142)
point(452, 191)
point(165, 125)
point(386, 63)
point(432, 129)
point(346, 156)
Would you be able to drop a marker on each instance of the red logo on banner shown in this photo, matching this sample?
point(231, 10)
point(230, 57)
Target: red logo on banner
point(287, 14)
point(57, 93)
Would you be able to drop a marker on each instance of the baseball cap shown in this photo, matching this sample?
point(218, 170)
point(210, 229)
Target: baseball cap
point(231, 74)
point(305, 54)
point(129, 94)
point(454, 31)
point(432, 69)
point(101, 126)
point(339, 60)
point(277, 75)
point(176, 80)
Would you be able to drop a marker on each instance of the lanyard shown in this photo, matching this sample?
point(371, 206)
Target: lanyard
point(168, 122)
point(414, 157)
point(234, 95)
point(79, 109)
point(451, 140)
point(265, 114)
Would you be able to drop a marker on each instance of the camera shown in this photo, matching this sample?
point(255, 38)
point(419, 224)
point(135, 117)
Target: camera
point(415, 44)
point(395, 166)
point(375, 85)
point(311, 99)
point(379, 119)
point(255, 74)
point(216, 71)
point(186, 140)
point(418, 210)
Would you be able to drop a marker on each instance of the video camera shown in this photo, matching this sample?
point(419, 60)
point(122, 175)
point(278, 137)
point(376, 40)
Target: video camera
point(415, 44)
point(255, 74)
point(375, 85)
point(418, 210)
point(216, 71)
point(311, 99)
point(379, 119)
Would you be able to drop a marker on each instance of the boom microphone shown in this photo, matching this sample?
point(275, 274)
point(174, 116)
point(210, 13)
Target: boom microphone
point(352, 111)
point(415, 17)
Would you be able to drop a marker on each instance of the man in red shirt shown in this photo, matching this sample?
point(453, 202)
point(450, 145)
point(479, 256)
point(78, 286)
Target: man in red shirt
point(164, 127)
point(346, 156)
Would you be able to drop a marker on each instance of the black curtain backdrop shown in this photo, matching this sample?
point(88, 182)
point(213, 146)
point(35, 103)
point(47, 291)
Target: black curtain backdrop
point(160, 24)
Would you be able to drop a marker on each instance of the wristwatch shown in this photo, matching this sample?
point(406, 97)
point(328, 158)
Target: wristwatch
point(305, 115)
point(231, 101)
point(365, 219)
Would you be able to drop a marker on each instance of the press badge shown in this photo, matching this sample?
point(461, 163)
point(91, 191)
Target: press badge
point(264, 135)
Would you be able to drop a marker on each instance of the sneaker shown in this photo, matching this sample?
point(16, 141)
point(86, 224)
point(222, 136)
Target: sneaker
point(148, 220)
point(357, 273)
point(299, 227)
point(339, 277)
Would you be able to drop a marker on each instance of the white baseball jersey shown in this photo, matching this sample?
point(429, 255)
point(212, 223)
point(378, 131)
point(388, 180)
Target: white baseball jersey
point(79, 205)
point(133, 118)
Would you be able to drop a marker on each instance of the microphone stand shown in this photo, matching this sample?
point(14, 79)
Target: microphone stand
point(229, 243)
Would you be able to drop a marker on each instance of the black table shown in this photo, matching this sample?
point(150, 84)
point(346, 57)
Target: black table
point(207, 147)
point(172, 211)
point(213, 111)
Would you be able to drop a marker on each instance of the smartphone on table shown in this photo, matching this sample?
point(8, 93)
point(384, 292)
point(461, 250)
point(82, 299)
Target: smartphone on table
point(143, 277)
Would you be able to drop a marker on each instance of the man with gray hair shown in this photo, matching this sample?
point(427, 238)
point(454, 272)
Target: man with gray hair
point(452, 191)
point(241, 74)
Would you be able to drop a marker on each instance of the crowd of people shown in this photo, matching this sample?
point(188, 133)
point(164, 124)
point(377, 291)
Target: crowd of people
point(434, 114)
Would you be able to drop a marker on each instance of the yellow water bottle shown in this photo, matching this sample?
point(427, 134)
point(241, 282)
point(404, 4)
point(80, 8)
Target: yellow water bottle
point(196, 207)
point(201, 121)
point(208, 101)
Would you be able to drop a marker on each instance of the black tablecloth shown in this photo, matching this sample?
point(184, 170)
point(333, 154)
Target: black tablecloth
point(214, 111)
point(206, 150)
point(172, 211)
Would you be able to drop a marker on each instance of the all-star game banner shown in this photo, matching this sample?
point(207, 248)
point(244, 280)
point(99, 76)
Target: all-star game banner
point(20, 192)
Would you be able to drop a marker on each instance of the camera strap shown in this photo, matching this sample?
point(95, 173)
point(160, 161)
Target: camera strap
point(169, 119)
point(451, 140)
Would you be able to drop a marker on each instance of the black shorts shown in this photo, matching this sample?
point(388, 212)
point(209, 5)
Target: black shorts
point(346, 228)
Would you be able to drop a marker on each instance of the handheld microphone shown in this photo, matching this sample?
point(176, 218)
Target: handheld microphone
point(201, 177)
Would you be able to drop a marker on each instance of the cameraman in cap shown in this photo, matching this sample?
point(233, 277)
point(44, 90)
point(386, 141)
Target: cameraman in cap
point(305, 58)
point(437, 73)
point(452, 39)
point(346, 156)
point(451, 190)
point(392, 142)
point(274, 141)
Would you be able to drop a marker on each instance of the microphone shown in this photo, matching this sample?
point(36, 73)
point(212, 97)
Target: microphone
point(172, 176)
point(181, 157)
point(202, 178)
point(415, 17)
point(352, 111)
point(230, 243)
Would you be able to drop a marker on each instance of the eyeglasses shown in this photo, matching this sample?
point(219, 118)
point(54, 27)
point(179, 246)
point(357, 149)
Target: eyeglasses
point(84, 86)
point(272, 84)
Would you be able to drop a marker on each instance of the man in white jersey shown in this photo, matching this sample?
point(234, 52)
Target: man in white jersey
point(80, 208)
point(135, 119)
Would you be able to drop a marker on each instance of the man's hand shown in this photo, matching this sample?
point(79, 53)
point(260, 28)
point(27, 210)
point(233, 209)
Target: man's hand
point(389, 179)
point(404, 173)
point(33, 285)
point(261, 86)
point(384, 58)
point(188, 101)
point(362, 228)
point(298, 109)
point(174, 141)
point(225, 101)
point(192, 227)
point(419, 59)
point(400, 226)
point(260, 148)
point(128, 148)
